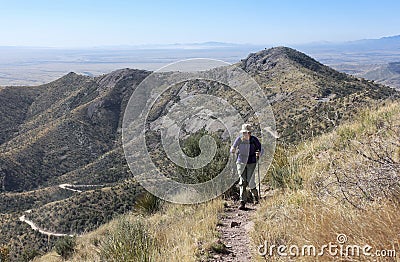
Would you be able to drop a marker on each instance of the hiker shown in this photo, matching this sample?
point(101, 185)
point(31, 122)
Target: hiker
point(248, 149)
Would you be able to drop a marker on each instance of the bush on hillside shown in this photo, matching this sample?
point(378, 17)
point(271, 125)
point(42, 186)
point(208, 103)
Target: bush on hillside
point(148, 204)
point(65, 247)
point(130, 241)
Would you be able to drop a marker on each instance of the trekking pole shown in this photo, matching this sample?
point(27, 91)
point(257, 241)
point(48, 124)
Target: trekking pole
point(233, 164)
point(259, 179)
point(234, 172)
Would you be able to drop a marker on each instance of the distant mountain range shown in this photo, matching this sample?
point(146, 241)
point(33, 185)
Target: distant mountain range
point(383, 43)
point(367, 51)
point(39, 65)
point(373, 59)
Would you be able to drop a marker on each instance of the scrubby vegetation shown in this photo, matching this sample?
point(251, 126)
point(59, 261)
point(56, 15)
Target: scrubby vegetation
point(129, 241)
point(14, 202)
point(310, 206)
point(65, 246)
point(20, 241)
point(175, 233)
point(4, 254)
point(351, 186)
point(69, 131)
point(190, 146)
point(148, 204)
point(85, 212)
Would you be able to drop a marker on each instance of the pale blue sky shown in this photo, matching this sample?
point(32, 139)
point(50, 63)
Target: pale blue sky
point(72, 23)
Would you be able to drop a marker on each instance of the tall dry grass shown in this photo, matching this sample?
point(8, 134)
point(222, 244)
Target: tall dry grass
point(174, 233)
point(351, 181)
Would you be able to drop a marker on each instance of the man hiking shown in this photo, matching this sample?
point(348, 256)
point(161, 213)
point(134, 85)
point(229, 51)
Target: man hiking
point(248, 149)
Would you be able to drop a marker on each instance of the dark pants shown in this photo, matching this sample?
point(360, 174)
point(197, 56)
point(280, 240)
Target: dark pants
point(247, 178)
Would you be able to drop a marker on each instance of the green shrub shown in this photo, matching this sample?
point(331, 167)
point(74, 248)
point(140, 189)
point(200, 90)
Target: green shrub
point(190, 146)
point(345, 134)
point(130, 241)
point(29, 254)
point(65, 247)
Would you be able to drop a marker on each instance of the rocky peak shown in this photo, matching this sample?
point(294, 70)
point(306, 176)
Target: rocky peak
point(110, 80)
point(283, 57)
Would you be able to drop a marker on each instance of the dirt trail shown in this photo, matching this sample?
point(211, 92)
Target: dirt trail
point(35, 227)
point(45, 232)
point(234, 229)
point(70, 187)
point(235, 226)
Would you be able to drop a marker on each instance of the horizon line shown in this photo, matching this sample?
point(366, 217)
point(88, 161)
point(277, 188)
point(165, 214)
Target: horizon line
point(192, 45)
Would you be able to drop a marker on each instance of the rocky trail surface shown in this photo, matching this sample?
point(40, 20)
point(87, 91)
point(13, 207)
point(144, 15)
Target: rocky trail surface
point(234, 227)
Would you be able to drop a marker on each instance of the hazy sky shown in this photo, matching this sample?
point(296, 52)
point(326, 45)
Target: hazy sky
point(83, 23)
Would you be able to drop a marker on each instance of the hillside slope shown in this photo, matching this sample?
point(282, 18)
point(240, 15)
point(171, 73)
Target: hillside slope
point(313, 214)
point(388, 74)
point(309, 98)
point(349, 194)
point(71, 123)
point(69, 131)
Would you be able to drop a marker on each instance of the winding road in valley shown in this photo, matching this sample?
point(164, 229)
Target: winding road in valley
point(69, 187)
point(35, 227)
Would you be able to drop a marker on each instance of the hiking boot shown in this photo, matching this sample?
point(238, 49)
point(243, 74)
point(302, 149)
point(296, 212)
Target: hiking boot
point(242, 205)
point(255, 196)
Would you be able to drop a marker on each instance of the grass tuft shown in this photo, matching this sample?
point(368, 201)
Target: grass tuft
point(129, 241)
point(148, 204)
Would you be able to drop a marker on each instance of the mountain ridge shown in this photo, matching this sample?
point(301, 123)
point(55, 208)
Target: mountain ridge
point(85, 104)
point(273, 54)
point(70, 132)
